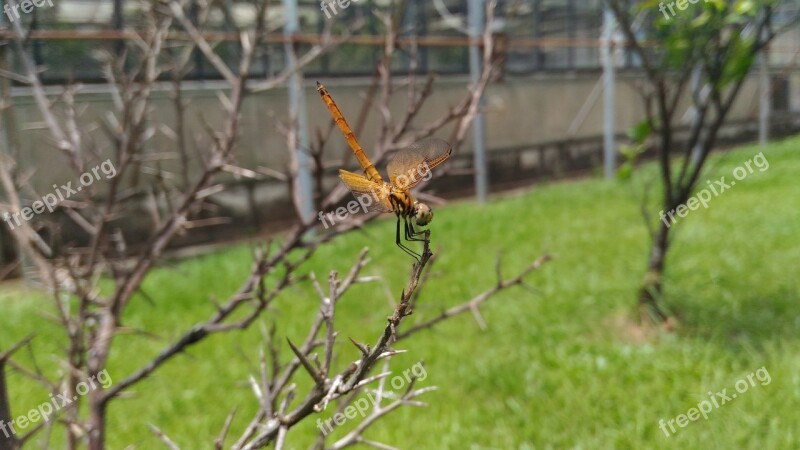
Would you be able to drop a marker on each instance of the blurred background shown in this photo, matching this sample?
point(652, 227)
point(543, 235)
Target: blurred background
point(555, 152)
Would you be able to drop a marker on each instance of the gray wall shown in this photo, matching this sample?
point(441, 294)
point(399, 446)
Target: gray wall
point(520, 112)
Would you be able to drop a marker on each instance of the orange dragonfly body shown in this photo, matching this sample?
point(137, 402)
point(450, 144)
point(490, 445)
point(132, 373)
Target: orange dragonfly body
point(406, 169)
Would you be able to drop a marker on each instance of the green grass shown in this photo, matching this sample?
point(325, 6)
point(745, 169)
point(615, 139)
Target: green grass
point(562, 368)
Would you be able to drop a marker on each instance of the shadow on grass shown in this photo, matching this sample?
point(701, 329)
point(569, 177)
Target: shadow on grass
point(752, 320)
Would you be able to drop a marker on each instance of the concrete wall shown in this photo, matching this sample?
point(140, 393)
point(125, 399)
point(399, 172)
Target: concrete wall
point(519, 112)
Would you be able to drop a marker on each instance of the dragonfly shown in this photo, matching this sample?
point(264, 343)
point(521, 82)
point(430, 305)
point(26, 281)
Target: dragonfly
point(406, 169)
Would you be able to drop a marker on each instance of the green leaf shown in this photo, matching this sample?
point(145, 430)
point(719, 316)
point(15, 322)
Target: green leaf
point(745, 7)
point(701, 20)
point(640, 132)
point(625, 171)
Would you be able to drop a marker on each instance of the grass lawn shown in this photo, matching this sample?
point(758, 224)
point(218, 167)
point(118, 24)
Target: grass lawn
point(560, 368)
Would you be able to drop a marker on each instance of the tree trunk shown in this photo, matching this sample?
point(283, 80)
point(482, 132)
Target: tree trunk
point(651, 289)
point(8, 438)
point(97, 420)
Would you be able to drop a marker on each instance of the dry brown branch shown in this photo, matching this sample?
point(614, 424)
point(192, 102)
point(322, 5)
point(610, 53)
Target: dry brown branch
point(347, 383)
point(475, 302)
point(92, 317)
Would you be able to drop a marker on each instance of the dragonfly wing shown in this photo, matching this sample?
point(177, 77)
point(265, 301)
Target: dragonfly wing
point(371, 195)
point(413, 164)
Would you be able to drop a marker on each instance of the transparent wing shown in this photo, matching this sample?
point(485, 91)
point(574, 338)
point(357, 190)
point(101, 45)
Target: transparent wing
point(371, 195)
point(414, 164)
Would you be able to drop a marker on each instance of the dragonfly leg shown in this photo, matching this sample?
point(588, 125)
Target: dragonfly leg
point(412, 234)
point(399, 242)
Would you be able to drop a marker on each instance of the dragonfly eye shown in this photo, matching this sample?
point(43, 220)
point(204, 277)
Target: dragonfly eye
point(424, 214)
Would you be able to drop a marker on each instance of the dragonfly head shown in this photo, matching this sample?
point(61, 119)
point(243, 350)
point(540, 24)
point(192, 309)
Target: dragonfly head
point(423, 214)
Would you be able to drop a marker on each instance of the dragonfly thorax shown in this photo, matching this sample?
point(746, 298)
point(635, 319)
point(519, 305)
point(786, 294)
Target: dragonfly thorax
point(406, 206)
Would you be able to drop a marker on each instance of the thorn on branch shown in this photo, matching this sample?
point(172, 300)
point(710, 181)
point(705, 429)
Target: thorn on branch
point(318, 378)
point(361, 347)
point(164, 438)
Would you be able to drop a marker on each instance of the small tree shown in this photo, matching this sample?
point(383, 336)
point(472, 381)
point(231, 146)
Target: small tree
point(703, 52)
